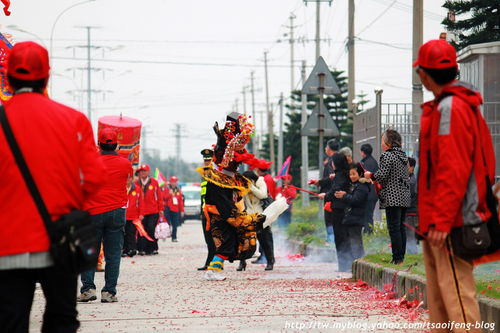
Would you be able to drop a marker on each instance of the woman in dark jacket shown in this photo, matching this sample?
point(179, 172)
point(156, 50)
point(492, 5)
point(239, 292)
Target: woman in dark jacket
point(354, 218)
point(340, 182)
point(393, 176)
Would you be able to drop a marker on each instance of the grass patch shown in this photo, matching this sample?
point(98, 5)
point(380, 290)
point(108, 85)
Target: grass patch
point(305, 226)
point(486, 275)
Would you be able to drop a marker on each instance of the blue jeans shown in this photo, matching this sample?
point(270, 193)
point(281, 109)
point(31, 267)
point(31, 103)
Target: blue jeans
point(175, 219)
point(110, 229)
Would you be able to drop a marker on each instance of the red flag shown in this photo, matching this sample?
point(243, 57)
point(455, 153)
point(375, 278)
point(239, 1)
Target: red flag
point(6, 4)
point(140, 229)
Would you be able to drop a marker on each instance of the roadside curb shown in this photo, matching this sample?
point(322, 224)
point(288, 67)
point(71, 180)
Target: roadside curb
point(412, 285)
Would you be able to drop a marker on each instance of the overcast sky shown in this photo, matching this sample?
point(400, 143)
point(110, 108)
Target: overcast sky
point(186, 61)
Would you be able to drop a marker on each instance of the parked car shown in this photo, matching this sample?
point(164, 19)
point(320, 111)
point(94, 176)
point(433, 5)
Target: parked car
point(192, 201)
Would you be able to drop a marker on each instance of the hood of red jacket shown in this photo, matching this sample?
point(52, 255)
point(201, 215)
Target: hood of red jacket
point(465, 91)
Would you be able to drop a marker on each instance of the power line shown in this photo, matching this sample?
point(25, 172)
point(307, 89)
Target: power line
point(377, 18)
point(162, 62)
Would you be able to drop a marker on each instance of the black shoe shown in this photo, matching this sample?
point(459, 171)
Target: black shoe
point(124, 254)
point(131, 253)
point(269, 266)
point(204, 268)
point(242, 266)
point(141, 253)
point(155, 252)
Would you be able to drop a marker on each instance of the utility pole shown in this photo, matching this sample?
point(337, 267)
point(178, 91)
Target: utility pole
point(244, 93)
point(351, 67)
point(417, 95)
point(178, 136)
point(144, 136)
point(255, 140)
point(89, 69)
point(304, 170)
point(280, 138)
point(292, 60)
point(318, 27)
point(269, 117)
point(89, 77)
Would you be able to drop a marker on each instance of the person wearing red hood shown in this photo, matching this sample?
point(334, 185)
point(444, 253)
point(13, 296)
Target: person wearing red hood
point(456, 159)
point(58, 146)
point(151, 206)
point(175, 202)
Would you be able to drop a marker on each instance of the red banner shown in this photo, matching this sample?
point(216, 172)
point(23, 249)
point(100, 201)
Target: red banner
point(140, 229)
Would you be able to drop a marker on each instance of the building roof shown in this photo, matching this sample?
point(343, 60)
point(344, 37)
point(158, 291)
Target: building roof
point(477, 49)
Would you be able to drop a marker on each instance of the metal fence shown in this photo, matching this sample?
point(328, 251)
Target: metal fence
point(368, 126)
point(400, 116)
point(491, 113)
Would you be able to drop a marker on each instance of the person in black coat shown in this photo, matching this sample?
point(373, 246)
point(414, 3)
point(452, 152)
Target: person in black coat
point(369, 164)
point(340, 182)
point(354, 218)
point(395, 193)
point(325, 184)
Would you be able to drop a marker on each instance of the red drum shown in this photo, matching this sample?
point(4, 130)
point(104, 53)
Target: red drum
point(129, 135)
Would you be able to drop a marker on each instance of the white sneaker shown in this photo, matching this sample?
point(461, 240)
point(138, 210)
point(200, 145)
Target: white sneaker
point(210, 275)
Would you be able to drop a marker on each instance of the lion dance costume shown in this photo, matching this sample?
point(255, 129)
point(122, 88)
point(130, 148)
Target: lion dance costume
point(233, 230)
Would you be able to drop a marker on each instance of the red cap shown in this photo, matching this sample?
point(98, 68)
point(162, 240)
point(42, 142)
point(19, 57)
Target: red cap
point(287, 177)
point(143, 167)
point(28, 61)
point(436, 54)
point(108, 135)
point(173, 179)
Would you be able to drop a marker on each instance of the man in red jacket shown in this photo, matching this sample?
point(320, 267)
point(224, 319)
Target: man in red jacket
point(107, 212)
point(133, 213)
point(151, 206)
point(58, 145)
point(454, 139)
point(175, 202)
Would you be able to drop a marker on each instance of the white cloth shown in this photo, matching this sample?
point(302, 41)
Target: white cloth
point(258, 191)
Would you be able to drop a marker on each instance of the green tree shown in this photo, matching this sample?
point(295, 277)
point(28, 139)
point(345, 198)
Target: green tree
point(479, 21)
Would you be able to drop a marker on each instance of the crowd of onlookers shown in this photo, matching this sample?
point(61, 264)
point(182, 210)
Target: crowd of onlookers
point(351, 190)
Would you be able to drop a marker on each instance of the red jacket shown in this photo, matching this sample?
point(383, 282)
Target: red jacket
point(58, 145)
point(451, 181)
point(152, 200)
point(174, 199)
point(271, 185)
point(134, 206)
point(113, 193)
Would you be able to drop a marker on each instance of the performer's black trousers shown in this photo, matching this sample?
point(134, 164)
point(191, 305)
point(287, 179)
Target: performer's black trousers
point(149, 222)
point(209, 241)
point(265, 238)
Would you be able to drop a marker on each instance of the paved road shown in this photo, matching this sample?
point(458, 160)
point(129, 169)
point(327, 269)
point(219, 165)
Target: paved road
point(165, 293)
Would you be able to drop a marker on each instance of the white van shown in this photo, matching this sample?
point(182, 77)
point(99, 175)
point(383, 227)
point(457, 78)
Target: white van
point(192, 201)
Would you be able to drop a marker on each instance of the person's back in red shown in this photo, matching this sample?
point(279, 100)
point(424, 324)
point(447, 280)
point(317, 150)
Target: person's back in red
point(57, 143)
point(58, 147)
point(113, 193)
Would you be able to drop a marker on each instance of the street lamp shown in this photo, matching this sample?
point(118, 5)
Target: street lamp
point(54, 26)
